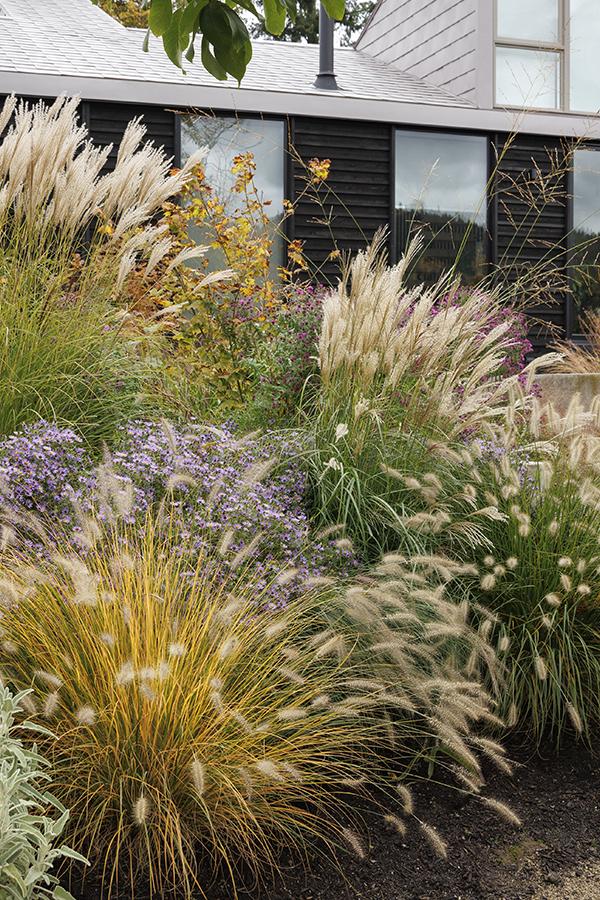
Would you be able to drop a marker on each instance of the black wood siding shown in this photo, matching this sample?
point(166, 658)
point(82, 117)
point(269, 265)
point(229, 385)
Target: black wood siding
point(356, 195)
point(531, 218)
point(107, 123)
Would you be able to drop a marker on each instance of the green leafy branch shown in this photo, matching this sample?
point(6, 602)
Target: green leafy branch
point(225, 47)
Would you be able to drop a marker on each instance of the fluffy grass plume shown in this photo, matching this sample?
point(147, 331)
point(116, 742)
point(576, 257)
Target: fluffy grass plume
point(406, 375)
point(70, 235)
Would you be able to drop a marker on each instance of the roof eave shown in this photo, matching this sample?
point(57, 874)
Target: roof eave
point(314, 103)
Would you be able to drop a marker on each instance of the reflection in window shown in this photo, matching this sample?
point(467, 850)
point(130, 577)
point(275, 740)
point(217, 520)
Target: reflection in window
point(441, 187)
point(527, 78)
point(585, 236)
point(528, 20)
point(585, 41)
point(226, 138)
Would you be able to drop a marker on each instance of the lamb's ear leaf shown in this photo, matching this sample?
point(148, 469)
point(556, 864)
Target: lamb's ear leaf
point(59, 893)
point(146, 44)
point(275, 12)
point(160, 16)
point(335, 9)
point(210, 63)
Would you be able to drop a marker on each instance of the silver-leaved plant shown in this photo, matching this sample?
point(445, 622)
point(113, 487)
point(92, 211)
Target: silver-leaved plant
point(31, 819)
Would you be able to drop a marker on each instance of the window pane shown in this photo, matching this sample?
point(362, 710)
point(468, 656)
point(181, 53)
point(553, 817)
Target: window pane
point(585, 237)
point(441, 186)
point(528, 20)
point(585, 41)
point(225, 138)
point(528, 78)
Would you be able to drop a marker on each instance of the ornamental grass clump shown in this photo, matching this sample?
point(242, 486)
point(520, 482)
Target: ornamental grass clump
point(537, 585)
point(582, 359)
point(70, 237)
point(192, 733)
point(195, 734)
point(407, 376)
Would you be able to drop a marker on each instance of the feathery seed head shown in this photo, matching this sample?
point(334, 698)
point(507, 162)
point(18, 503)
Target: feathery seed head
point(504, 811)
point(141, 809)
point(575, 718)
point(269, 769)
point(51, 704)
point(354, 842)
point(434, 840)
point(198, 776)
point(85, 715)
point(395, 823)
point(406, 798)
point(566, 582)
point(540, 668)
point(126, 674)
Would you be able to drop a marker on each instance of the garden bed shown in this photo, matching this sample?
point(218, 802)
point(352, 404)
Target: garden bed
point(554, 856)
point(360, 544)
point(557, 800)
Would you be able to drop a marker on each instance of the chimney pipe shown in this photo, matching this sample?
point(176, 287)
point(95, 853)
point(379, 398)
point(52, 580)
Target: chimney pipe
point(326, 80)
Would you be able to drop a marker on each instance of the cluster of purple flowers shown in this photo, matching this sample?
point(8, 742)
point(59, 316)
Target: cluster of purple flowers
point(41, 468)
point(519, 457)
point(515, 361)
point(253, 487)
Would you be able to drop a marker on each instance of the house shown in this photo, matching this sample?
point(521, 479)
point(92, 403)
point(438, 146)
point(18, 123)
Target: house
point(461, 115)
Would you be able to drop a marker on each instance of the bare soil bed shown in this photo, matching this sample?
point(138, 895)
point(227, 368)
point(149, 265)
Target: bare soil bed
point(555, 855)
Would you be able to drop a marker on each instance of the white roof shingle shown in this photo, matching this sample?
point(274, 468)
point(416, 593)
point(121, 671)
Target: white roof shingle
point(74, 39)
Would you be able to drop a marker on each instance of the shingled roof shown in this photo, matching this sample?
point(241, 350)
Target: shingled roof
point(75, 39)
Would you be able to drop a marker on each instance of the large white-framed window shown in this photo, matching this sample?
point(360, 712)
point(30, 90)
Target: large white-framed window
point(546, 54)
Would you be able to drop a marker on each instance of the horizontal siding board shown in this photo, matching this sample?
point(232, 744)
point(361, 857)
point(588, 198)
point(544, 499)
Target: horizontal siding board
point(107, 123)
point(357, 195)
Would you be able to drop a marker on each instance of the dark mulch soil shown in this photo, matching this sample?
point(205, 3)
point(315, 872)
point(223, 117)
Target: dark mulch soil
point(555, 855)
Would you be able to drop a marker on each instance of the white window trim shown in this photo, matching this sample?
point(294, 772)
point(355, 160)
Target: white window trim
point(562, 47)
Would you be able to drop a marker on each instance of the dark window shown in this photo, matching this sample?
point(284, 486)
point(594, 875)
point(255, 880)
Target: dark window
point(441, 188)
point(227, 137)
point(585, 235)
